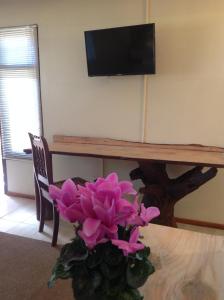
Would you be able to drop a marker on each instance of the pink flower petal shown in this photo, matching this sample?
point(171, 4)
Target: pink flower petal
point(89, 241)
point(111, 214)
point(87, 207)
point(93, 240)
point(147, 214)
point(73, 215)
point(112, 177)
point(91, 186)
point(134, 236)
point(101, 213)
point(127, 188)
point(122, 245)
point(110, 231)
point(69, 187)
point(90, 226)
point(67, 199)
point(106, 187)
point(124, 210)
point(127, 247)
point(136, 220)
point(98, 182)
point(54, 192)
point(136, 246)
point(62, 210)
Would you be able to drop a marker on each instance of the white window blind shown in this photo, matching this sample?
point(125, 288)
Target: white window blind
point(20, 109)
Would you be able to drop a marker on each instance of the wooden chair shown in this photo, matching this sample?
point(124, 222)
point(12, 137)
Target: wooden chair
point(42, 161)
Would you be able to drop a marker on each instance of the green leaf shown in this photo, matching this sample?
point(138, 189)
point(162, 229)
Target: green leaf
point(73, 252)
point(113, 287)
point(84, 286)
point(58, 272)
point(112, 255)
point(138, 273)
point(143, 254)
point(94, 258)
point(79, 269)
point(111, 272)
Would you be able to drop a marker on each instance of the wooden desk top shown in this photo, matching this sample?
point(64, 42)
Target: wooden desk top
point(109, 148)
point(189, 265)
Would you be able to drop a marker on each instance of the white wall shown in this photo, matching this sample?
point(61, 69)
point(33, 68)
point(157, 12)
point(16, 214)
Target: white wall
point(185, 97)
point(106, 106)
point(72, 102)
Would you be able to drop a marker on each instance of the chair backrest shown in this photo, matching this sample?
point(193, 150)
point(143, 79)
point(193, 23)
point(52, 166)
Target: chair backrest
point(42, 161)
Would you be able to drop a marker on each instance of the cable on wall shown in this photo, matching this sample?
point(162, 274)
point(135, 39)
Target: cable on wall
point(145, 89)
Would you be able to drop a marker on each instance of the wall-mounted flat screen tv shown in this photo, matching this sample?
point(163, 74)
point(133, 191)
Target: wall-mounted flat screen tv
point(126, 50)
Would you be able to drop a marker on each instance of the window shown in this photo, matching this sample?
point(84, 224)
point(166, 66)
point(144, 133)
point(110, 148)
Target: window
point(20, 108)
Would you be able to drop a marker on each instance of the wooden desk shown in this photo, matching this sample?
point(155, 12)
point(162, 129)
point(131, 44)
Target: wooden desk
point(109, 148)
point(159, 190)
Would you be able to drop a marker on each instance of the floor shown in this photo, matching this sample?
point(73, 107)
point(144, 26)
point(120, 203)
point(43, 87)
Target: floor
point(17, 216)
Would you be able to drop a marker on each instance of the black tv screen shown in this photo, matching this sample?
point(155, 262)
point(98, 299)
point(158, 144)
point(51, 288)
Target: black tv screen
point(126, 50)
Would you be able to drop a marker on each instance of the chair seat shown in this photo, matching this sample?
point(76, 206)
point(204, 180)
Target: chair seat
point(76, 180)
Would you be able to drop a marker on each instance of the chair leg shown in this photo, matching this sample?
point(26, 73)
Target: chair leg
point(37, 198)
point(42, 214)
point(55, 226)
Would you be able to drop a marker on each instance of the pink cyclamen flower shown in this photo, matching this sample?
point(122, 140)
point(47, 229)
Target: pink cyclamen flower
point(68, 201)
point(144, 216)
point(92, 233)
point(147, 214)
point(111, 185)
point(100, 207)
point(129, 247)
point(99, 202)
point(103, 200)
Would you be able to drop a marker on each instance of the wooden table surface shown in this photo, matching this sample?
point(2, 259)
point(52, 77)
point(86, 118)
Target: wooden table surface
point(189, 265)
point(109, 148)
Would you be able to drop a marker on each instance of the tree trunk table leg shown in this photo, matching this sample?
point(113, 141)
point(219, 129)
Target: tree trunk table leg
point(164, 192)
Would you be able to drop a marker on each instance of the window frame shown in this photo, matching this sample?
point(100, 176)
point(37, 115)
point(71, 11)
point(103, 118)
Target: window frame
point(12, 155)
